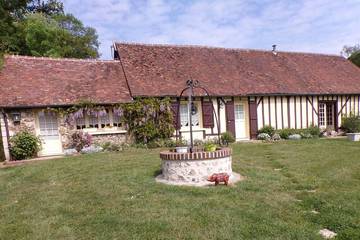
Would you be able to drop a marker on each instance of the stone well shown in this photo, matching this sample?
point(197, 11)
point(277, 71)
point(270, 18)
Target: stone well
point(194, 168)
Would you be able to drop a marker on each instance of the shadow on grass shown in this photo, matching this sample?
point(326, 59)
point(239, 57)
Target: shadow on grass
point(157, 172)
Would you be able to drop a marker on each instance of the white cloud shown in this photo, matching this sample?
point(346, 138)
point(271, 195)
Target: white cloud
point(308, 25)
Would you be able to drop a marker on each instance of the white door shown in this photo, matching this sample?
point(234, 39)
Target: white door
point(240, 121)
point(49, 134)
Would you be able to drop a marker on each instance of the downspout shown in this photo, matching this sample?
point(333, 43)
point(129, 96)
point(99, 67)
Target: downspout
point(7, 132)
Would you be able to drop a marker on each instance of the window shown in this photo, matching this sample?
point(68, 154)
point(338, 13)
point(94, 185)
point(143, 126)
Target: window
point(80, 123)
point(329, 114)
point(239, 112)
point(93, 121)
point(321, 114)
point(48, 124)
point(116, 120)
point(101, 120)
point(184, 115)
point(105, 120)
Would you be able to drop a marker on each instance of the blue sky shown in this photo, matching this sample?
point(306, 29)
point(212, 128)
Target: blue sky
point(322, 26)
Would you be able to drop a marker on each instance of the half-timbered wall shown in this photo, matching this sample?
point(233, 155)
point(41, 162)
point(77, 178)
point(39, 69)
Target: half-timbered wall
point(301, 111)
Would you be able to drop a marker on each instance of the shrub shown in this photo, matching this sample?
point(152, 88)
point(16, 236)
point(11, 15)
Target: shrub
point(24, 145)
point(305, 134)
point(314, 131)
point(286, 132)
point(276, 137)
point(209, 146)
point(268, 130)
point(264, 136)
point(111, 147)
point(226, 138)
point(181, 143)
point(198, 142)
point(79, 140)
point(351, 124)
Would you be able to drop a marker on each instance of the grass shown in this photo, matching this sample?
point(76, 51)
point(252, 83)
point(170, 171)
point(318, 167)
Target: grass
point(114, 196)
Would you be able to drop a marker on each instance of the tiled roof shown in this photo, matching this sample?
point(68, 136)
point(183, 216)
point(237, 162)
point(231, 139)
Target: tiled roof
point(29, 81)
point(162, 70)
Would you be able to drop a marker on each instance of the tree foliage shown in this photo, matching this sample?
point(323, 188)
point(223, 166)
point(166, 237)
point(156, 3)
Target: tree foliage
point(352, 53)
point(355, 58)
point(49, 8)
point(41, 28)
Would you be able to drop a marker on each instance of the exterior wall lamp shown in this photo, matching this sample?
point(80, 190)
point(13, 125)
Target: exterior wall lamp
point(16, 117)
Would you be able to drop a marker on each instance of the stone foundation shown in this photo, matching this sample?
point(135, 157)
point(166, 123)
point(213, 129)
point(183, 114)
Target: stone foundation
point(195, 168)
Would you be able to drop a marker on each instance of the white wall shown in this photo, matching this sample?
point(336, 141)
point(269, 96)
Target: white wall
point(302, 114)
point(4, 138)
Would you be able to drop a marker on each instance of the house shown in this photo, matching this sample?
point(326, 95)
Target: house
point(248, 89)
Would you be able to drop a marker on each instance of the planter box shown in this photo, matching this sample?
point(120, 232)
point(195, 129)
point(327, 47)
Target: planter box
point(181, 149)
point(353, 136)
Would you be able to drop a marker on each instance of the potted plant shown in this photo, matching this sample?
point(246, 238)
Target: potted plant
point(351, 125)
point(181, 146)
point(210, 147)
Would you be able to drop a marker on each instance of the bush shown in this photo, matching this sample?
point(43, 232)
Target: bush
point(314, 131)
point(286, 132)
point(264, 136)
point(351, 124)
point(276, 137)
point(209, 146)
point(79, 140)
point(268, 130)
point(24, 145)
point(111, 147)
point(226, 138)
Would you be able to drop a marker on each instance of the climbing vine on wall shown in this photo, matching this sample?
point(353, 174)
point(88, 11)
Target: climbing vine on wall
point(148, 119)
point(79, 109)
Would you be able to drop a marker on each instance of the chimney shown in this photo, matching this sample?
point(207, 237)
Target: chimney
point(274, 49)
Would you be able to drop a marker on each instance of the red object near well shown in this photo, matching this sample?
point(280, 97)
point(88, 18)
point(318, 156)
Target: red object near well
point(218, 178)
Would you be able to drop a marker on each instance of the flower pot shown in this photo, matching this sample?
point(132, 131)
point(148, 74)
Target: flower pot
point(183, 149)
point(353, 136)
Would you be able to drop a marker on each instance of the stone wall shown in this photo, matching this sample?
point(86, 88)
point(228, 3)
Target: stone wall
point(27, 122)
point(195, 167)
point(116, 138)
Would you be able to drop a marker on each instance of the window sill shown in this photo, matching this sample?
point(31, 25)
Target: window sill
point(195, 129)
point(95, 131)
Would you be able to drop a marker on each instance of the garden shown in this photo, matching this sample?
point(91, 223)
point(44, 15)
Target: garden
point(292, 189)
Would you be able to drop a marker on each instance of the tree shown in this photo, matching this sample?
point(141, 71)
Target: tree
point(352, 53)
point(355, 58)
point(10, 12)
point(41, 28)
point(349, 50)
point(49, 8)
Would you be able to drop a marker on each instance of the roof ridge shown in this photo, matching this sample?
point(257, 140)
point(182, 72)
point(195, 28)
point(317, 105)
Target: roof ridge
point(221, 48)
point(88, 60)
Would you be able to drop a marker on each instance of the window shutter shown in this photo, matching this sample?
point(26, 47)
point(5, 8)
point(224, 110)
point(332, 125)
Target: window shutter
point(208, 116)
point(176, 114)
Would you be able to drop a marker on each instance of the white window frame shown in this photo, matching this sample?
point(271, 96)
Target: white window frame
point(108, 121)
point(185, 117)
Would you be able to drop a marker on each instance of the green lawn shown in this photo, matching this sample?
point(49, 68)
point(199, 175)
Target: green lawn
point(114, 196)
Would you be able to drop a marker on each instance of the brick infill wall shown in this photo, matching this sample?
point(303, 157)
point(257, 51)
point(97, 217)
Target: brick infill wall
point(220, 153)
